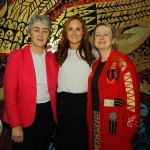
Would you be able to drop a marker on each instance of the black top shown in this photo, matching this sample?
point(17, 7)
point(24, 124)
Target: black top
point(95, 96)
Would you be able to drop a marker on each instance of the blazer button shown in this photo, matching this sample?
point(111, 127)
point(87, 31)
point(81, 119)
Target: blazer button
point(101, 88)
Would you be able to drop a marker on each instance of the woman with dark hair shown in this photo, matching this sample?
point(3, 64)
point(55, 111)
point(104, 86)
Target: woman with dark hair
point(30, 82)
point(75, 58)
point(113, 108)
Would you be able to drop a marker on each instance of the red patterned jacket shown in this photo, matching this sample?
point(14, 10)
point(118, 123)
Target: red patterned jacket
point(118, 80)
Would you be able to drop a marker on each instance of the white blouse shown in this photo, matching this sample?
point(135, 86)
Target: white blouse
point(73, 74)
point(41, 78)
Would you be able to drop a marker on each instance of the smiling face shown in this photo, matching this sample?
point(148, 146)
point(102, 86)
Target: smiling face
point(39, 35)
point(103, 39)
point(75, 33)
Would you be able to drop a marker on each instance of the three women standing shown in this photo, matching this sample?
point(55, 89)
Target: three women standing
point(30, 82)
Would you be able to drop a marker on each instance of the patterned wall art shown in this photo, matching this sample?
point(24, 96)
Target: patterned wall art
point(130, 18)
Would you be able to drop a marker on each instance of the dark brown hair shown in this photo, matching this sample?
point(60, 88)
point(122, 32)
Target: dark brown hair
point(85, 46)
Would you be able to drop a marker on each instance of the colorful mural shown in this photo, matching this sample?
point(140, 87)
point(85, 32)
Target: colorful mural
point(130, 18)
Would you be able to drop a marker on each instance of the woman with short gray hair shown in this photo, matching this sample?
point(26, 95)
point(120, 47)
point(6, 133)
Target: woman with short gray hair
point(43, 19)
point(30, 82)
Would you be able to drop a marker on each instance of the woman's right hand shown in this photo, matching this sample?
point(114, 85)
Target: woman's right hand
point(17, 134)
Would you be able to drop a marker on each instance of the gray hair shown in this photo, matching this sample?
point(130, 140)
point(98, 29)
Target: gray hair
point(112, 30)
point(43, 19)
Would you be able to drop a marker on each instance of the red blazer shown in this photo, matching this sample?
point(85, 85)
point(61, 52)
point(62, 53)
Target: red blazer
point(124, 85)
point(20, 87)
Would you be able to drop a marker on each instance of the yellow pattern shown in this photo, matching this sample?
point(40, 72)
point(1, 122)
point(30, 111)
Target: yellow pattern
point(130, 92)
point(15, 23)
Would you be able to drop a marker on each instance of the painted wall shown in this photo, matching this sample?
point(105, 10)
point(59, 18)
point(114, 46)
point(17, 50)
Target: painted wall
point(130, 18)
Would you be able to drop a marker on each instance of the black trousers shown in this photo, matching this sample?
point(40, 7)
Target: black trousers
point(39, 135)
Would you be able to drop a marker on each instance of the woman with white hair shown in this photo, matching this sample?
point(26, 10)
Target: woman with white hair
point(30, 82)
